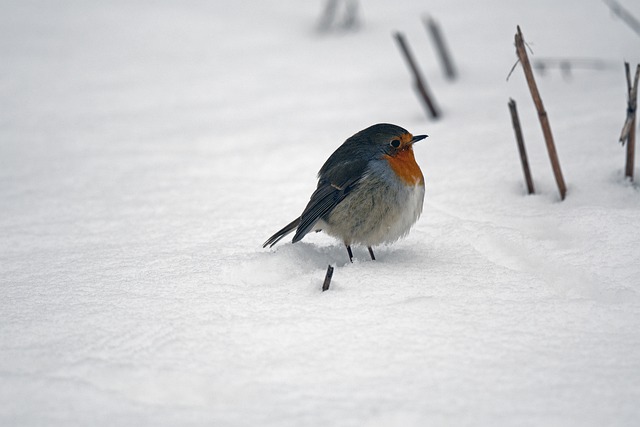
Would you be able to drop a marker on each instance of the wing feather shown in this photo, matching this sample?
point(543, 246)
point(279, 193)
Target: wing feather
point(326, 197)
point(339, 175)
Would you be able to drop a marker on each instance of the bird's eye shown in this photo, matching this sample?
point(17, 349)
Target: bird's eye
point(395, 143)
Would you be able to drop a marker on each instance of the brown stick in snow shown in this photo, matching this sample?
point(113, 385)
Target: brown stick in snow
point(628, 134)
point(441, 47)
point(521, 149)
point(625, 15)
point(419, 82)
point(542, 114)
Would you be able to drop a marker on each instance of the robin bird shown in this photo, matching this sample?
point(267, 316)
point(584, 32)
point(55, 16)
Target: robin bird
point(370, 191)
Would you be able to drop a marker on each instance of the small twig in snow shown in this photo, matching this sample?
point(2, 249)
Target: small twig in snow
point(521, 148)
point(327, 279)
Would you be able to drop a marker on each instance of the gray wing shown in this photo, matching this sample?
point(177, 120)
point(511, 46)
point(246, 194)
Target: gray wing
point(335, 184)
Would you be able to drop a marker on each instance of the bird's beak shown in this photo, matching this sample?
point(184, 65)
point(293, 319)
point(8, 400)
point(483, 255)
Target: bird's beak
point(417, 138)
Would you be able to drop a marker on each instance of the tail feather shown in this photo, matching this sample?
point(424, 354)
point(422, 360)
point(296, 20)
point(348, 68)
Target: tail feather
point(282, 233)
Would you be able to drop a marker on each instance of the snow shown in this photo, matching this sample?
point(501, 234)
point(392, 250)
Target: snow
point(147, 149)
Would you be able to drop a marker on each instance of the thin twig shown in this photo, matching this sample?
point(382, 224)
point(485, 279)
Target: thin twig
point(513, 69)
point(441, 47)
point(521, 148)
point(625, 15)
point(626, 128)
point(628, 134)
point(632, 96)
point(419, 82)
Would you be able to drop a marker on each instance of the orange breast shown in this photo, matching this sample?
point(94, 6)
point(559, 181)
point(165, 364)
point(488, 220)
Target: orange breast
point(405, 166)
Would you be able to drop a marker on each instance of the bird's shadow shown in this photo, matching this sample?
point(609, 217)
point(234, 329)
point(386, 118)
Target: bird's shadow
point(322, 255)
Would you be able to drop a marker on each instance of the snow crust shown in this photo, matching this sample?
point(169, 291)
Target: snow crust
point(147, 149)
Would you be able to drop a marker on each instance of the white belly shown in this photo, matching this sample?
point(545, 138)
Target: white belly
point(376, 212)
point(407, 216)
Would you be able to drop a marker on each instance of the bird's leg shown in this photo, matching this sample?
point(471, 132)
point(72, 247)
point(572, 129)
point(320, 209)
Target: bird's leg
point(373, 257)
point(350, 253)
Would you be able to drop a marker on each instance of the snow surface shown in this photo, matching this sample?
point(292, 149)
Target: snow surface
point(147, 149)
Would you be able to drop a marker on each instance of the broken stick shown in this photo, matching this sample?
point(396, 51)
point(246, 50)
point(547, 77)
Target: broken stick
point(327, 278)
